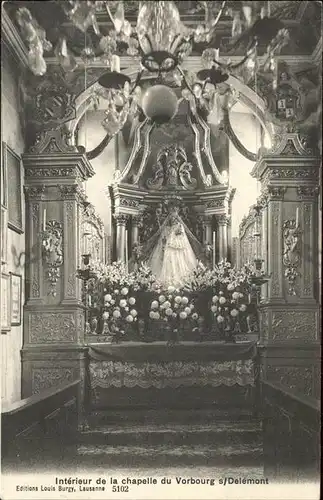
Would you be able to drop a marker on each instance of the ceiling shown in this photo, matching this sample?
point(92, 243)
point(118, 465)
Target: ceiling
point(302, 18)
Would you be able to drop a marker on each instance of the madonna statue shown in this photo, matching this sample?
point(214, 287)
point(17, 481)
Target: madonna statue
point(173, 252)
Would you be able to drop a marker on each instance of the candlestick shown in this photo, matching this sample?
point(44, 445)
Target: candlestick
point(126, 248)
point(44, 220)
point(297, 217)
point(213, 249)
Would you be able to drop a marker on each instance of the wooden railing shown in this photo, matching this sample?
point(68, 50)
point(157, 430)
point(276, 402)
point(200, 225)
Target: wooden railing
point(50, 414)
point(291, 432)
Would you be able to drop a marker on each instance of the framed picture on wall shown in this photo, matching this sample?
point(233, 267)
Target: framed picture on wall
point(12, 165)
point(16, 294)
point(4, 183)
point(5, 303)
point(4, 234)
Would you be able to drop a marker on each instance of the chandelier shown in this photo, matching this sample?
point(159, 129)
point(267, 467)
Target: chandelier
point(161, 41)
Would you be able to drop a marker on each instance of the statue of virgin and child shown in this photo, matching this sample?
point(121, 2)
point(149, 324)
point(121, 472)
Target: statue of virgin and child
point(173, 252)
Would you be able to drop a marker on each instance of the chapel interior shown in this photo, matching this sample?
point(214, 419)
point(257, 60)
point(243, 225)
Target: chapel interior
point(161, 213)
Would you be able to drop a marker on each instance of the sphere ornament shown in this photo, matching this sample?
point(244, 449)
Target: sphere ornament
point(160, 104)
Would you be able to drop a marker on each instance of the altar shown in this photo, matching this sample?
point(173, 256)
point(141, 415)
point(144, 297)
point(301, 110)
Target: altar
point(189, 374)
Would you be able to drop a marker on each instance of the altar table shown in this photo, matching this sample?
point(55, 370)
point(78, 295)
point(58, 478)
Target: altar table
point(160, 366)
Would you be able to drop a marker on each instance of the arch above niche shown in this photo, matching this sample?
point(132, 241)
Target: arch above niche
point(246, 95)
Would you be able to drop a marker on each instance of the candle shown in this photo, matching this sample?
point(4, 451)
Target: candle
point(213, 248)
point(115, 63)
point(44, 220)
point(297, 217)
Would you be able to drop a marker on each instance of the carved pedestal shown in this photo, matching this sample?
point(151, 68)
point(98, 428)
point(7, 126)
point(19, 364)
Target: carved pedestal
point(289, 309)
point(53, 349)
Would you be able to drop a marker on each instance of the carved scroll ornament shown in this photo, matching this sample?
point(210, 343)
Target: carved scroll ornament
point(52, 244)
point(291, 252)
point(172, 170)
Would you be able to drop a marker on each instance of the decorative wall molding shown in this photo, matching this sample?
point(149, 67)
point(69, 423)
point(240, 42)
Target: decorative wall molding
point(297, 378)
point(300, 325)
point(55, 327)
point(46, 378)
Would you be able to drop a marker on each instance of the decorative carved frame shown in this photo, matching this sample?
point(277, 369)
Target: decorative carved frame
point(14, 223)
point(16, 284)
point(5, 303)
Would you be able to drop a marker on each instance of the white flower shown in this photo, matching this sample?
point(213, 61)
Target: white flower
point(116, 292)
point(235, 295)
point(234, 313)
point(154, 305)
point(192, 306)
point(220, 319)
point(123, 303)
point(171, 289)
point(184, 301)
point(194, 316)
point(240, 295)
point(126, 308)
point(187, 310)
point(133, 312)
point(167, 304)
point(105, 315)
point(107, 297)
point(230, 287)
point(129, 318)
point(162, 299)
point(243, 307)
point(169, 311)
point(176, 306)
point(178, 299)
point(222, 300)
point(132, 301)
point(112, 301)
point(124, 291)
point(214, 309)
point(174, 315)
point(183, 315)
point(170, 297)
point(157, 315)
point(116, 313)
point(152, 314)
point(215, 299)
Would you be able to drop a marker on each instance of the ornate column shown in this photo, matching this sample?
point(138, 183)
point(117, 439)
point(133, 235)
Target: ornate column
point(223, 222)
point(289, 176)
point(53, 349)
point(121, 221)
point(207, 223)
point(135, 221)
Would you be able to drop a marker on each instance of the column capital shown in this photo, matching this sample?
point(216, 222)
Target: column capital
point(72, 192)
point(307, 192)
point(207, 219)
point(35, 193)
point(275, 193)
point(223, 220)
point(121, 219)
point(136, 219)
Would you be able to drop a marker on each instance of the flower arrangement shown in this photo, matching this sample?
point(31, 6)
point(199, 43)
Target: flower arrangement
point(229, 309)
point(173, 307)
point(119, 311)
